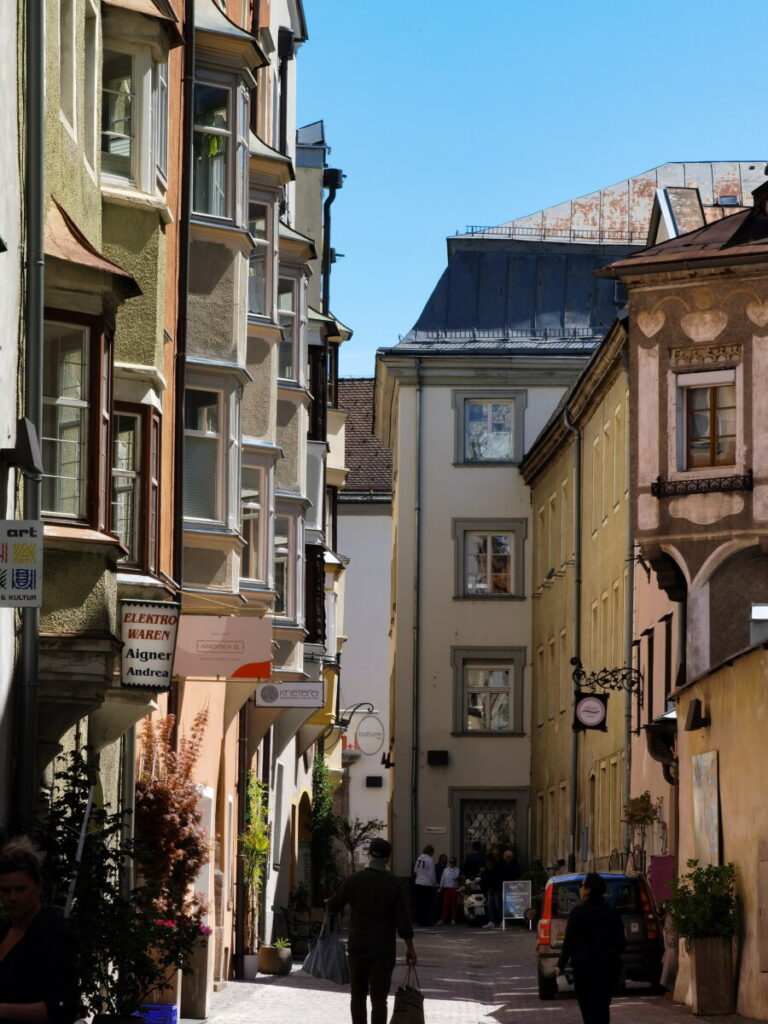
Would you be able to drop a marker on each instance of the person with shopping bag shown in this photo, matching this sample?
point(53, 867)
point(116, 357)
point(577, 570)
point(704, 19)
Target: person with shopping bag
point(378, 914)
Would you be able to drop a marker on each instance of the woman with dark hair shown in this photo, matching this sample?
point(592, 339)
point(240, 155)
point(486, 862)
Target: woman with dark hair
point(594, 941)
point(37, 963)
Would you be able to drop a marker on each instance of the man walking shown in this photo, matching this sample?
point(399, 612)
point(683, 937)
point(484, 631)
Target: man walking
point(378, 912)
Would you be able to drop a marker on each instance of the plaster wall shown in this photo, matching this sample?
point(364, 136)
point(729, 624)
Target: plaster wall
point(290, 472)
point(259, 408)
point(215, 300)
point(10, 214)
point(365, 537)
point(734, 697)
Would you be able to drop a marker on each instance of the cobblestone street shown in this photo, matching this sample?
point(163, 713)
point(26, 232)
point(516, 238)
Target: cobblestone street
point(469, 976)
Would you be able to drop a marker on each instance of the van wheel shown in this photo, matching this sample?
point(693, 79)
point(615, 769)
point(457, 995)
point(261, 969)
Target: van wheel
point(547, 987)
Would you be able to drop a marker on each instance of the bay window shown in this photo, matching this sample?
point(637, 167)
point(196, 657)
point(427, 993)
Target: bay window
point(203, 454)
point(220, 149)
point(134, 118)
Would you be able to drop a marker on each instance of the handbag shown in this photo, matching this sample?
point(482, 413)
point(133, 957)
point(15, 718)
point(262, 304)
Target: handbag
point(327, 958)
point(409, 1000)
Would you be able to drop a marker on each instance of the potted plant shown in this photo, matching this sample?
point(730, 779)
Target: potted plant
point(704, 907)
point(640, 813)
point(276, 958)
point(254, 848)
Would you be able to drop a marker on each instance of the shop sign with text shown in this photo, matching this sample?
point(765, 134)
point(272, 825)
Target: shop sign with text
point(148, 631)
point(224, 647)
point(21, 563)
point(302, 694)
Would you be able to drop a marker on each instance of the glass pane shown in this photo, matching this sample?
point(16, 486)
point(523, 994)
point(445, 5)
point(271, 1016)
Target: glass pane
point(63, 451)
point(250, 511)
point(117, 114)
point(160, 101)
point(495, 677)
point(210, 174)
point(211, 107)
point(125, 482)
point(488, 712)
point(201, 411)
point(282, 554)
point(488, 431)
point(285, 292)
point(286, 363)
point(476, 562)
point(125, 444)
point(201, 477)
point(501, 562)
point(257, 220)
point(257, 283)
point(64, 363)
point(698, 398)
point(475, 721)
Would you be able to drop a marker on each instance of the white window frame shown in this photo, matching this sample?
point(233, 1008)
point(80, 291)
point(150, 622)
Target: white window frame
point(218, 436)
point(235, 205)
point(85, 411)
point(146, 116)
point(705, 379)
point(130, 480)
point(516, 530)
point(67, 59)
point(258, 511)
point(285, 318)
point(291, 511)
point(509, 659)
point(264, 249)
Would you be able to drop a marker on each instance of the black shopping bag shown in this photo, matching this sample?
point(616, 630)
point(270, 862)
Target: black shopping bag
point(409, 1000)
point(327, 958)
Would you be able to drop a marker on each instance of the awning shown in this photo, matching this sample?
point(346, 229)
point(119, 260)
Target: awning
point(65, 241)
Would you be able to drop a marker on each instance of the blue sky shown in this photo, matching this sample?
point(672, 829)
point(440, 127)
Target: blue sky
point(444, 114)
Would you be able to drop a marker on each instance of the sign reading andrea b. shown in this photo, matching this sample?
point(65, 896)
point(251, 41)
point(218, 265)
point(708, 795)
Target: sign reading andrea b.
point(148, 632)
point(21, 563)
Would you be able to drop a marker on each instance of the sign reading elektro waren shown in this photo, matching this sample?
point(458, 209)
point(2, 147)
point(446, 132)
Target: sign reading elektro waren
point(148, 632)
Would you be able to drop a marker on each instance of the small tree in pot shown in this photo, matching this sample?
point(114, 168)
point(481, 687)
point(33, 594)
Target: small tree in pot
point(704, 910)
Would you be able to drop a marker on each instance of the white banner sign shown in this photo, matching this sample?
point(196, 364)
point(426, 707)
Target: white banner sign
point(309, 694)
point(224, 647)
point(21, 563)
point(148, 632)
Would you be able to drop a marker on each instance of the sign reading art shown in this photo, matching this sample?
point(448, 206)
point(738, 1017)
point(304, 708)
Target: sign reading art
point(302, 694)
point(224, 647)
point(148, 631)
point(21, 563)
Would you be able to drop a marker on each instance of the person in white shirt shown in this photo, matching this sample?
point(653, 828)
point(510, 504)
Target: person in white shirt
point(449, 887)
point(424, 882)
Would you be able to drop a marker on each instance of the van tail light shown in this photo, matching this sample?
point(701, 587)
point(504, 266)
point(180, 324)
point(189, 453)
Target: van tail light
point(651, 923)
point(545, 923)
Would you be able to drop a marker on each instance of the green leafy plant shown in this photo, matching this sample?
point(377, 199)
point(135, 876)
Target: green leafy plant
point(282, 943)
point(352, 834)
point(325, 871)
point(704, 902)
point(640, 813)
point(125, 948)
point(254, 848)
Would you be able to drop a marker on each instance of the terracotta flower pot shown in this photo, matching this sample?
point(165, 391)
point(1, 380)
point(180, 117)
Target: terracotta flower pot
point(275, 960)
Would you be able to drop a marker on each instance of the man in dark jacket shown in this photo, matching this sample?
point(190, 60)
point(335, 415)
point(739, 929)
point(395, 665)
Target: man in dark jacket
point(378, 912)
point(594, 941)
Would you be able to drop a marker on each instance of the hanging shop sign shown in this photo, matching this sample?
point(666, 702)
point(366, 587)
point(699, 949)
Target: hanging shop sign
point(21, 563)
point(303, 694)
point(369, 734)
point(590, 711)
point(224, 647)
point(148, 631)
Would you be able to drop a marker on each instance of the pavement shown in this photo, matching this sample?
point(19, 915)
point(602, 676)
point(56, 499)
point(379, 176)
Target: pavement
point(468, 976)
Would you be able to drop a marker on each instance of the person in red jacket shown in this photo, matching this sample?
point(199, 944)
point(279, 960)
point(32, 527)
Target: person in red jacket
point(378, 913)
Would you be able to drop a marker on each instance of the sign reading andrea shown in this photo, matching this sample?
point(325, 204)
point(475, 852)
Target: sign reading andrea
point(21, 563)
point(148, 632)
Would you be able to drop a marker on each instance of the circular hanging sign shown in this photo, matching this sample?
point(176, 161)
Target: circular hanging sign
point(369, 735)
point(591, 711)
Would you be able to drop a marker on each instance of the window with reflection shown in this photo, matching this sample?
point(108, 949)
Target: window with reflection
point(287, 309)
point(203, 466)
point(212, 147)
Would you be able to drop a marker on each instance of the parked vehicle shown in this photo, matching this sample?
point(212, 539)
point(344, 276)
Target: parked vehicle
point(631, 896)
point(472, 901)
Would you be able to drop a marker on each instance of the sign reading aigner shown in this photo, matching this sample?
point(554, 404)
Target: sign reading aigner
point(148, 632)
point(21, 563)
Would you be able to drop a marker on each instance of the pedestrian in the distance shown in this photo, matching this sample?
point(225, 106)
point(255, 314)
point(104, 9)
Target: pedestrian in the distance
point(424, 884)
point(378, 913)
point(449, 887)
point(594, 941)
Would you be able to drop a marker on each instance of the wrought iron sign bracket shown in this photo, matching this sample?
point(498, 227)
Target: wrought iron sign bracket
point(624, 678)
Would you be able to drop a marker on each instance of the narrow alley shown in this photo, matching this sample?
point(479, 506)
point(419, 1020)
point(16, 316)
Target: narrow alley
point(469, 976)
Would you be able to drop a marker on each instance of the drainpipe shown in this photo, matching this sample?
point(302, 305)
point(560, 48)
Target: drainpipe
point(416, 625)
point(26, 765)
point(576, 648)
point(241, 895)
point(629, 618)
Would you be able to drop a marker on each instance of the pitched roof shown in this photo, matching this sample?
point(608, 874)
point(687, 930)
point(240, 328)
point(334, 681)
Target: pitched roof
point(742, 236)
point(368, 461)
